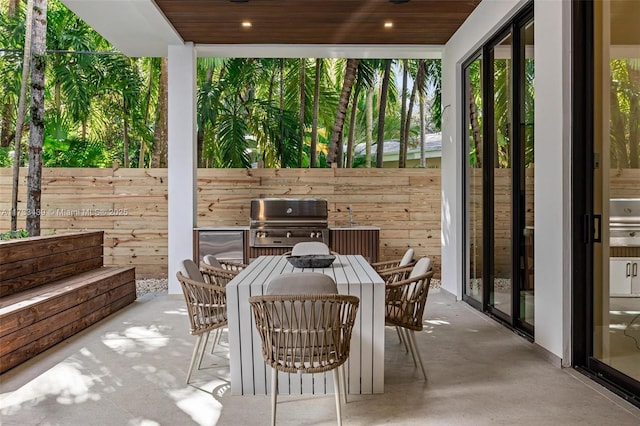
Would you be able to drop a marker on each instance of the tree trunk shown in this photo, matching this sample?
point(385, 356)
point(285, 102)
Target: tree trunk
point(22, 111)
point(368, 127)
point(634, 116)
point(352, 124)
point(316, 109)
point(36, 128)
point(423, 160)
point(475, 128)
point(160, 134)
point(418, 83)
point(201, 133)
point(281, 138)
point(125, 141)
point(336, 134)
point(303, 78)
point(147, 108)
point(381, 113)
point(617, 131)
point(403, 117)
point(6, 131)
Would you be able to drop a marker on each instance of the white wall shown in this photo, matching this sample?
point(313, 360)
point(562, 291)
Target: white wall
point(552, 162)
point(553, 177)
point(181, 157)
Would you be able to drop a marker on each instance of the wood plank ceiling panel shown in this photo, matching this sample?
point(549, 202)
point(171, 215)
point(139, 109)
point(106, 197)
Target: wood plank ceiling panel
point(316, 21)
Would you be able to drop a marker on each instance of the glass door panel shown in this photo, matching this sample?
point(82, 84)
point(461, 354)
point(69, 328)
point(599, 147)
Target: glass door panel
point(500, 296)
point(527, 181)
point(616, 289)
point(475, 189)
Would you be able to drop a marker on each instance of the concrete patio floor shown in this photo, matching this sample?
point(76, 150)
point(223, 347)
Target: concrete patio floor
point(130, 369)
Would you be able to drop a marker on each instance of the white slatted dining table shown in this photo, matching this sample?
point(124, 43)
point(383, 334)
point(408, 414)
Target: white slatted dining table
point(365, 367)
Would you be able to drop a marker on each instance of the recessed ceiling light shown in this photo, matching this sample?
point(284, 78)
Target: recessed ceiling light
point(388, 24)
point(246, 24)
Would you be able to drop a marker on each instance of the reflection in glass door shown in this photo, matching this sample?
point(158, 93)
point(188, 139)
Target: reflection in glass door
point(501, 62)
point(616, 194)
point(475, 192)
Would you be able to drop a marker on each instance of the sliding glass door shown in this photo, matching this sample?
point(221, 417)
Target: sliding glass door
point(608, 201)
point(498, 88)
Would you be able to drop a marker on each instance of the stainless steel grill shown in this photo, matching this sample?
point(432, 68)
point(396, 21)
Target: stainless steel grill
point(284, 222)
point(624, 222)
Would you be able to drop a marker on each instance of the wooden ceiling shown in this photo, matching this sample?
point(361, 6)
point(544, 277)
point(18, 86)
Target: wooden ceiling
point(317, 21)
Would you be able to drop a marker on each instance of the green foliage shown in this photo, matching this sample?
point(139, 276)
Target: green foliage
point(10, 235)
point(6, 160)
point(103, 107)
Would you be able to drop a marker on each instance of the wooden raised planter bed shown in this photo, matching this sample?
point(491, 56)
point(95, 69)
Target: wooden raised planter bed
point(51, 288)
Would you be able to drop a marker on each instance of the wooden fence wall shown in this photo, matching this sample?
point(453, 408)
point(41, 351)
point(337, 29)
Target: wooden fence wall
point(130, 205)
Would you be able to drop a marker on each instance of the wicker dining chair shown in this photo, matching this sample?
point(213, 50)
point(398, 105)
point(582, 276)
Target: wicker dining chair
point(389, 265)
point(405, 300)
point(306, 248)
point(305, 333)
point(229, 265)
point(207, 311)
point(190, 270)
point(218, 276)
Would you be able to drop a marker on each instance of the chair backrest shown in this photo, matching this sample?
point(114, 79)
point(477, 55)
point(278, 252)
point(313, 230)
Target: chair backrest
point(216, 275)
point(405, 301)
point(422, 266)
point(190, 270)
point(310, 247)
point(308, 333)
point(206, 304)
point(407, 258)
point(302, 283)
point(211, 260)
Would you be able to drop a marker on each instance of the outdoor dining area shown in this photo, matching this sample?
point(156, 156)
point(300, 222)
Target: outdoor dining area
point(132, 368)
point(310, 311)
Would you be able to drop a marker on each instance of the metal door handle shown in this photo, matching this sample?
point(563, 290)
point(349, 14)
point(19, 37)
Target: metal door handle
point(628, 269)
point(597, 228)
point(635, 269)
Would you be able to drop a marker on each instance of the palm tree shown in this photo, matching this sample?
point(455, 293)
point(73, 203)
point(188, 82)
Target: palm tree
point(403, 115)
point(303, 65)
point(316, 108)
point(381, 112)
point(21, 114)
point(336, 135)
point(36, 128)
point(160, 134)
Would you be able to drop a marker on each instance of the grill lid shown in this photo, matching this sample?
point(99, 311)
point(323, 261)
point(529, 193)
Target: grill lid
point(291, 212)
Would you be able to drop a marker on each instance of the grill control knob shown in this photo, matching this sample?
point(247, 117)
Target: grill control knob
point(288, 234)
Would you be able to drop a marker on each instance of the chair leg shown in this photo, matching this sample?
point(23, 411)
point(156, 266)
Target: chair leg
point(410, 348)
point(342, 373)
point(196, 350)
point(204, 348)
point(336, 390)
point(274, 395)
point(402, 340)
point(216, 339)
point(415, 346)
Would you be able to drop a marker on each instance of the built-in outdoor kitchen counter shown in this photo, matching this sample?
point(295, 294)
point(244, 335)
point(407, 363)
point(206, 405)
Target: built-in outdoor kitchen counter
point(232, 243)
point(276, 224)
point(362, 240)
